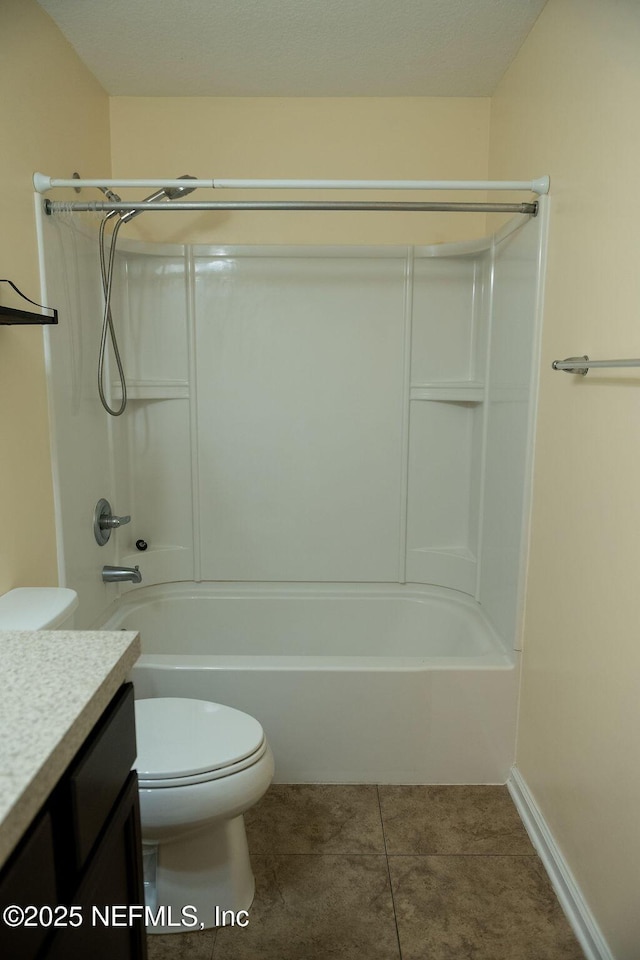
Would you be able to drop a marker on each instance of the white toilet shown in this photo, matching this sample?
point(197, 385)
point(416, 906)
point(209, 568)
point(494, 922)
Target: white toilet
point(200, 767)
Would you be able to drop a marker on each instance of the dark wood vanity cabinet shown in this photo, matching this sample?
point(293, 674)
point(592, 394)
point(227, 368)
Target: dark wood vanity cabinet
point(83, 851)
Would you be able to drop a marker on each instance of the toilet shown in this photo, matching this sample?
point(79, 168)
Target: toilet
point(38, 608)
point(200, 766)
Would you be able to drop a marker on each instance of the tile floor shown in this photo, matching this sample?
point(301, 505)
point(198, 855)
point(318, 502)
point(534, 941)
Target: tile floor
point(388, 873)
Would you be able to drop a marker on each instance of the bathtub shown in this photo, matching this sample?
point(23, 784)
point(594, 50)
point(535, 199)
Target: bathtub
point(352, 684)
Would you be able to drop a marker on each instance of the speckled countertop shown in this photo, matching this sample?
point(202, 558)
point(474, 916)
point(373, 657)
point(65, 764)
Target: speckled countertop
point(53, 687)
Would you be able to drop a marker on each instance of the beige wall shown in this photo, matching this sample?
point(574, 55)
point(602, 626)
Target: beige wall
point(342, 138)
point(568, 106)
point(54, 118)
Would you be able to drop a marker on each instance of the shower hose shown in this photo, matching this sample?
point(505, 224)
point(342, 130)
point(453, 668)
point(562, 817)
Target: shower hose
point(108, 331)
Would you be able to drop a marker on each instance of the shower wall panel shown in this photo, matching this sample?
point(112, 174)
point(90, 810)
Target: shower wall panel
point(156, 443)
point(444, 321)
point(443, 465)
point(159, 480)
point(448, 351)
point(154, 301)
point(510, 410)
point(300, 372)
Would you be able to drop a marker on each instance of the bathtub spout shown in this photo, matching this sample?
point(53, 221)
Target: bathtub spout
point(120, 574)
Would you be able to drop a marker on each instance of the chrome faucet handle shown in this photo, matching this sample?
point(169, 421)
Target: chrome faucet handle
point(104, 522)
point(112, 523)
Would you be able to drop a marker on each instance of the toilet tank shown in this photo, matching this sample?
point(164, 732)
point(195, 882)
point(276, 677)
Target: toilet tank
point(38, 608)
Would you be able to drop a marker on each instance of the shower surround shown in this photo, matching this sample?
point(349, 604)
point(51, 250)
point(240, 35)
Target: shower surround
point(328, 452)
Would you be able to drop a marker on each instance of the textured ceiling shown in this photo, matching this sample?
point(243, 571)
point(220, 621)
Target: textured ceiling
point(305, 48)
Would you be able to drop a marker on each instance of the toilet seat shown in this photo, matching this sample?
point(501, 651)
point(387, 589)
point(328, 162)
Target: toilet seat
point(184, 741)
point(218, 774)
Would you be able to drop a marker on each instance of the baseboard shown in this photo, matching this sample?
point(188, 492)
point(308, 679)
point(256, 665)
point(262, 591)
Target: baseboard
point(567, 890)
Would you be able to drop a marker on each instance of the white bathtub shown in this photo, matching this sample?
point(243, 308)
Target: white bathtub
point(357, 684)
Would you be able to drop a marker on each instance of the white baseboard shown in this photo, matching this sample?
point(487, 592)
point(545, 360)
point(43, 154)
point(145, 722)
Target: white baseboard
point(567, 890)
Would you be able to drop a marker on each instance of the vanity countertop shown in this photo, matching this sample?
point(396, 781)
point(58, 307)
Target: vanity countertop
point(54, 685)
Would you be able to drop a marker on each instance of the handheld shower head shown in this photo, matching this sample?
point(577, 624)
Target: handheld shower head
point(170, 193)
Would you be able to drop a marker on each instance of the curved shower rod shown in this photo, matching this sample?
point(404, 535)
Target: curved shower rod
point(42, 183)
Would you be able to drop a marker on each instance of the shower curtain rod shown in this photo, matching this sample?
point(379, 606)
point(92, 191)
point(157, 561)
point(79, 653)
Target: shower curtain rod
point(42, 183)
point(98, 206)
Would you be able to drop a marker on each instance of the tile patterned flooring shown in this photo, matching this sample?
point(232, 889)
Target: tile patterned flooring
point(388, 873)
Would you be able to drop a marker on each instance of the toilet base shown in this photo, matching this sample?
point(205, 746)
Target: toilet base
point(208, 870)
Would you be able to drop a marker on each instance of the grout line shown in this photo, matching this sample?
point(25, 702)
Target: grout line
point(386, 856)
point(525, 856)
point(342, 853)
point(359, 853)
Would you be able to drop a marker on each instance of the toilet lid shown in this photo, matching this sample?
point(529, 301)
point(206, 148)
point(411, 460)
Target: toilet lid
point(183, 738)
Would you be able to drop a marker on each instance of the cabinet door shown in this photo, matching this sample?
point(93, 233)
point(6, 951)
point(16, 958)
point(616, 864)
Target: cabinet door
point(113, 878)
point(28, 879)
point(99, 771)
